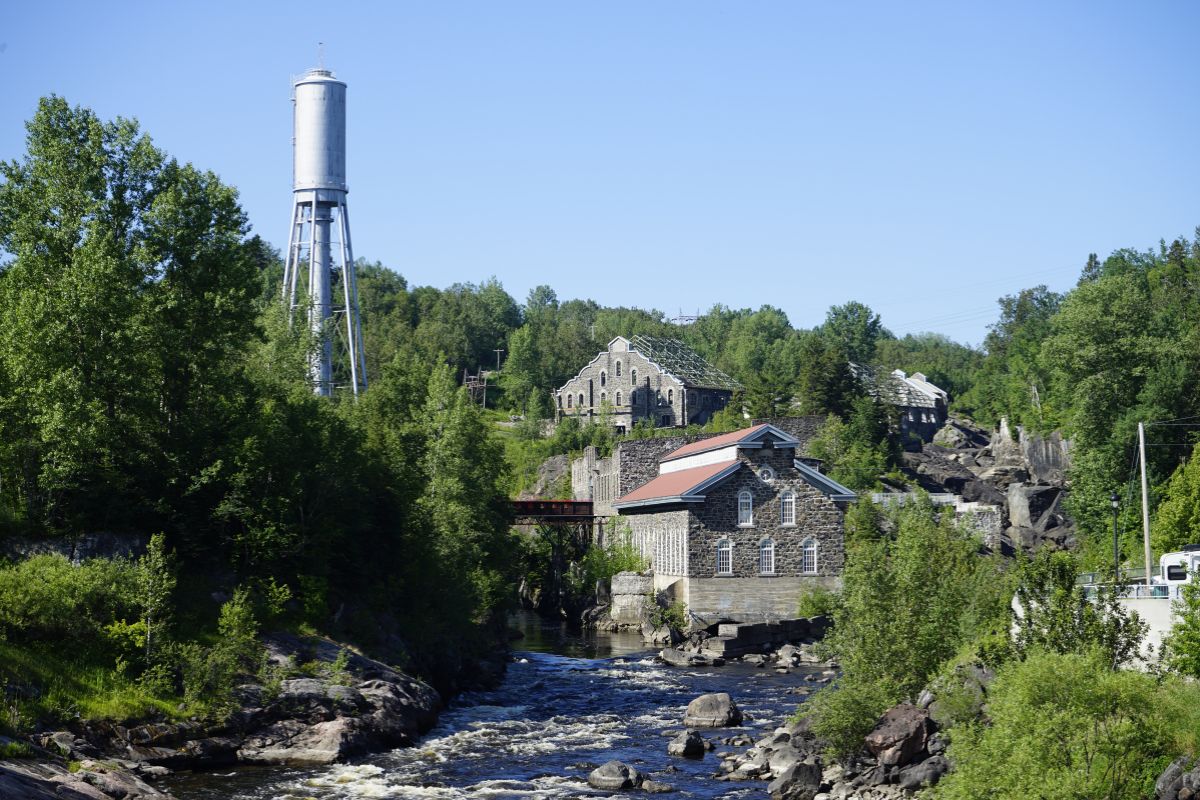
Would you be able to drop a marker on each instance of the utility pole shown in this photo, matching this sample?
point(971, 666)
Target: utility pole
point(1145, 499)
point(498, 351)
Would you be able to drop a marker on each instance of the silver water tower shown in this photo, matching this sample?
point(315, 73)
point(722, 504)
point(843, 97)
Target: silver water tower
point(319, 238)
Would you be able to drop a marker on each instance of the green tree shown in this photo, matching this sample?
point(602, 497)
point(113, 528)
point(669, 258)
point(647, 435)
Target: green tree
point(1057, 615)
point(156, 574)
point(1062, 726)
point(909, 603)
point(1177, 519)
point(857, 329)
point(1181, 648)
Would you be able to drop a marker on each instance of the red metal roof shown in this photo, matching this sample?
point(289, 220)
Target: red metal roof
point(724, 440)
point(676, 484)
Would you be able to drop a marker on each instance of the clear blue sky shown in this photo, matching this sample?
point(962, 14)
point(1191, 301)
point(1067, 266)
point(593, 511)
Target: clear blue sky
point(921, 158)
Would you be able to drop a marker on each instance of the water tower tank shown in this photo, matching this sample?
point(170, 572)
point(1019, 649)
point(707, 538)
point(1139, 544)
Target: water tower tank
point(319, 160)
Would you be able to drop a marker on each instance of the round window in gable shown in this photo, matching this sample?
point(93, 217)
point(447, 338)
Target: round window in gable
point(766, 474)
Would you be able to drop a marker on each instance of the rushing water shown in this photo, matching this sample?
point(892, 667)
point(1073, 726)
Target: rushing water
point(567, 704)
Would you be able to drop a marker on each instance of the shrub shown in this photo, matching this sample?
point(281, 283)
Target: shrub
point(1063, 726)
point(1058, 616)
point(816, 601)
point(908, 603)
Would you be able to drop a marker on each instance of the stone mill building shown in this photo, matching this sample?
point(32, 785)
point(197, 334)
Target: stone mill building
point(734, 526)
point(646, 377)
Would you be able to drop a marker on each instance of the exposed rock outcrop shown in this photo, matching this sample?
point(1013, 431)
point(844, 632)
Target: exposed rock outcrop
point(91, 780)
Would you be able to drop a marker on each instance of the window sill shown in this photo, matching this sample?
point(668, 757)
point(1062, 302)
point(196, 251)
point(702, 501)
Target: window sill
point(723, 575)
point(788, 525)
point(745, 524)
point(768, 574)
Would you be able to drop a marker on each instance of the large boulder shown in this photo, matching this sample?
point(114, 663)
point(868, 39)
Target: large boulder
point(1030, 505)
point(900, 734)
point(712, 711)
point(800, 781)
point(688, 744)
point(614, 776)
point(918, 776)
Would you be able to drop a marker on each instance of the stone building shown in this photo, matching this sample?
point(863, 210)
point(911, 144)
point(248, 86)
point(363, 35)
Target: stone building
point(734, 526)
point(921, 406)
point(646, 377)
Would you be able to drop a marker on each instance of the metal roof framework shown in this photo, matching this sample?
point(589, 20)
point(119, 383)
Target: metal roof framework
point(683, 362)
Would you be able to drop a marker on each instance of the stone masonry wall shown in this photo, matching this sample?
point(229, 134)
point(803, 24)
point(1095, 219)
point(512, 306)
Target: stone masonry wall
point(637, 459)
point(816, 516)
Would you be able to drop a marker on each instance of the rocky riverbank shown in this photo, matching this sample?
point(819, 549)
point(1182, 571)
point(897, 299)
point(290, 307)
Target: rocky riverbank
point(343, 705)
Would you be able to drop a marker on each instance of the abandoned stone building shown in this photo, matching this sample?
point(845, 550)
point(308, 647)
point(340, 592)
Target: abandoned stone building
point(921, 406)
point(646, 377)
point(734, 526)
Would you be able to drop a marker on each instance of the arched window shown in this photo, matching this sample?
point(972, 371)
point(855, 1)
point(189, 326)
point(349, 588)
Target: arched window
point(568, 400)
point(603, 378)
point(560, 401)
point(581, 399)
point(633, 376)
point(724, 557)
point(618, 369)
point(618, 398)
point(766, 557)
point(603, 397)
point(670, 397)
point(658, 396)
point(787, 508)
point(745, 508)
point(808, 557)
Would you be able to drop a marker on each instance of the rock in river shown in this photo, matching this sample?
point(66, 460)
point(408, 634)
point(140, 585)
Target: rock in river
point(713, 711)
point(614, 776)
point(688, 744)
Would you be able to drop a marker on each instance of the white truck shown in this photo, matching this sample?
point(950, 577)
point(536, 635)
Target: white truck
point(1177, 568)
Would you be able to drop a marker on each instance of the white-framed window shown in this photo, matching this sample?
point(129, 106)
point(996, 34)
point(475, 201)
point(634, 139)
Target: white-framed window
point(658, 397)
point(766, 557)
point(603, 377)
point(618, 369)
point(745, 508)
point(808, 556)
point(767, 474)
point(724, 557)
point(618, 398)
point(787, 508)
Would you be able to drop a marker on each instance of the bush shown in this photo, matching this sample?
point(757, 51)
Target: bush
point(47, 598)
point(1064, 726)
point(816, 601)
point(908, 604)
point(211, 674)
point(1058, 616)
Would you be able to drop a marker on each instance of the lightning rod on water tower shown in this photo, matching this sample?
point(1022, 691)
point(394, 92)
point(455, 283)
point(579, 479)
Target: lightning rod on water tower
point(319, 238)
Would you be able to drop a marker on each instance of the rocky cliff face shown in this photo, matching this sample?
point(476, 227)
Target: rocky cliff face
point(1024, 475)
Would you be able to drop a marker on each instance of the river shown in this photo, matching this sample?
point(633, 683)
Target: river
point(567, 704)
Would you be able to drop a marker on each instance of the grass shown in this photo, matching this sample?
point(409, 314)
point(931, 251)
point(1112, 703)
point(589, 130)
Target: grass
point(42, 686)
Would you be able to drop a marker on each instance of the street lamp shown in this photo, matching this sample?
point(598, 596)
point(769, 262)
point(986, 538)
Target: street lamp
point(1115, 501)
